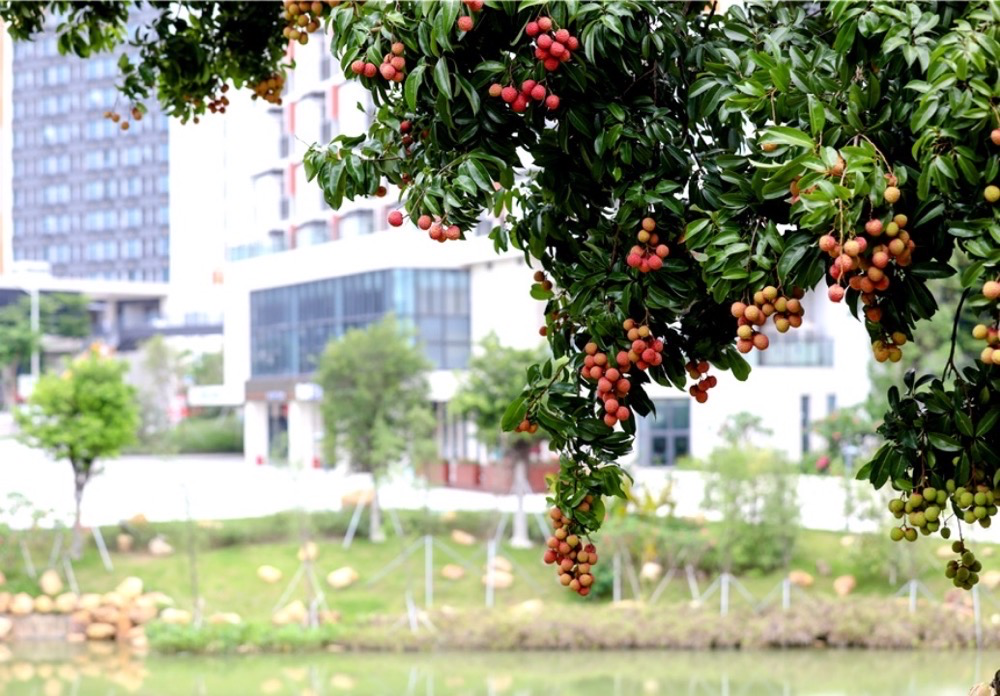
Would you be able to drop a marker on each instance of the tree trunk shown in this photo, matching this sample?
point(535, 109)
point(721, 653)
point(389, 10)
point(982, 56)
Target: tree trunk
point(519, 538)
point(375, 532)
point(8, 386)
point(80, 481)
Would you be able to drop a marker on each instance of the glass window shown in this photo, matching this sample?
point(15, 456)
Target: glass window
point(664, 436)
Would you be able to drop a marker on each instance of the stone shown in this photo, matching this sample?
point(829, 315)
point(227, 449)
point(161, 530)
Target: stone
point(106, 613)
point(21, 604)
point(328, 616)
point(125, 543)
point(845, 585)
point(177, 617)
point(100, 631)
point(66, 603)
point(342, 577)
point(160, 599)
point(159, 547)
point(650, 571)
point(945, 552)
point(6, 626)
point(89, 601)
point(449, 516)
point(143, 610)
point(80, 618)
point(308, 551)
point(113, 599)
point(848, 540)
point(271, 686)
point(453, 572)
point(358, 497)
point(50, 583)
point(502, 564)
point(76, 637)
point(801, 578)
point(990, 579)
point(462, 538)
point(209, 524)
point(225, 617)
point(44, 604)
point(293, 613)
point(501, 579)
point(530, 607)
point(5, 598)
point(983, 689)
point(3, 578)
point(269, 574)
point(823, 568)
point(343, 682)
point(130, 587)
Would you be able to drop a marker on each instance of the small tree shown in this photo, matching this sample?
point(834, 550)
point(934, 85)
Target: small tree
point(495, 378)
point(85, 414)
point(157, 374)
point(375, 405)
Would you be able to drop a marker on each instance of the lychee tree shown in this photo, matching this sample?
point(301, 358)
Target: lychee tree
point(682, 177)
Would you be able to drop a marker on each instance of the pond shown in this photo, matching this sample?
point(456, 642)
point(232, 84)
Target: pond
point(46, 671)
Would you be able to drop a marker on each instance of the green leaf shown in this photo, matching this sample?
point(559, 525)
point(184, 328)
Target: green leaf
point(514, 414)
point(943, 442)
point(442, 78)
point(782, 135)
point(902, 484)
point(817, 116)
point(986, 423)
point(412, 85)
point(964, 423)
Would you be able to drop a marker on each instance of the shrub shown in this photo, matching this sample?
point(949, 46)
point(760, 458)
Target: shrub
point(207, 435)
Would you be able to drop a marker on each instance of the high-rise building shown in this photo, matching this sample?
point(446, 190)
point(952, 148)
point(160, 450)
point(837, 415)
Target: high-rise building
point(88, 198)
point(5, 145)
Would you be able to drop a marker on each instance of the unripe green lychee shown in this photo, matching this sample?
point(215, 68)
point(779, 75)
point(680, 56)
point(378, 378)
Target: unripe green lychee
point(910, 534)
point(946, 533)
point(896, 534)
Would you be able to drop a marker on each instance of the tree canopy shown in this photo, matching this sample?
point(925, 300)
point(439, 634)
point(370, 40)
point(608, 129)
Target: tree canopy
point(83, 414)
point(683, 177)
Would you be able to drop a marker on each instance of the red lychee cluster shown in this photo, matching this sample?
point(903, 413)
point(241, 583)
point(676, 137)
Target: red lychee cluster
point(437, 229)
point(648, 254)
point(699, 371)
point(573, 563)
point(303, 19)
point(269, 89)
point(393, 67)
point(552, 49)
point(520, 100)
point(786, 312)
point(612, 385)
point(866, 266)
point(465, 22)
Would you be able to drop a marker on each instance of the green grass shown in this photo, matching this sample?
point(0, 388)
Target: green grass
point(228, 559)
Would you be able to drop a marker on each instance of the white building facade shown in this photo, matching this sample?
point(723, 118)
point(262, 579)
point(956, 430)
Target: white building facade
point(299, 274)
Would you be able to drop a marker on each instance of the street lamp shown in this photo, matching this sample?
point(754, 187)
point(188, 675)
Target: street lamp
point(31, 284)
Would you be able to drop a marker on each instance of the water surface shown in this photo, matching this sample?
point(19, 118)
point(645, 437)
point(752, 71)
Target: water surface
point(60, 671)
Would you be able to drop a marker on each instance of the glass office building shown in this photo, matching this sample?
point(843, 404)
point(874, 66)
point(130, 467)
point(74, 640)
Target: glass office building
point(290, 326)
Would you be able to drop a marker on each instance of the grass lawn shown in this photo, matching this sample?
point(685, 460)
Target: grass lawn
point(228, 578)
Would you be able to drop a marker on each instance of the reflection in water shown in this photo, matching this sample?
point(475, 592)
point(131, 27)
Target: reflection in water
point(101, 670)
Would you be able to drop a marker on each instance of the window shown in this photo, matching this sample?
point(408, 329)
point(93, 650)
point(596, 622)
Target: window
point(291, 325)
point(805, 423)
point(665, 437)
point(356, 224)
point(316, 232)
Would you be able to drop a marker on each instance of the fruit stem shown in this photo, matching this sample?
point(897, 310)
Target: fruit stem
point(950, 365)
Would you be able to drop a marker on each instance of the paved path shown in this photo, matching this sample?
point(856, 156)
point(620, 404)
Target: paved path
point(224, 487)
